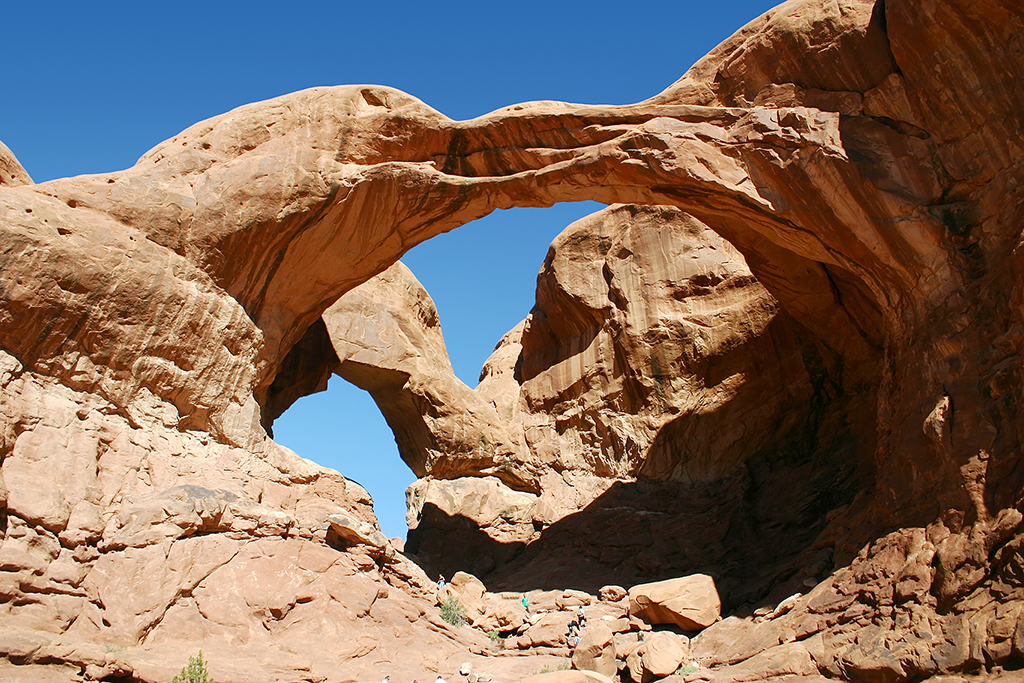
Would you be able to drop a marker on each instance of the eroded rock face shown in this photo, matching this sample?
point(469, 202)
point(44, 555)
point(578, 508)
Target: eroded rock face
point(11, 170)
point(129, 544)
point(652, 354)
point(873, 189)
point(653, 351)
point(387, 339)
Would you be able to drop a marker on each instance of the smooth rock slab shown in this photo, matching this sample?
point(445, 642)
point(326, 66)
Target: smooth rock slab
point(568, 677)
point(690, 602)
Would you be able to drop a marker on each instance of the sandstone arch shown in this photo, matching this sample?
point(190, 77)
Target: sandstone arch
point(874, 192)
point(329, 186)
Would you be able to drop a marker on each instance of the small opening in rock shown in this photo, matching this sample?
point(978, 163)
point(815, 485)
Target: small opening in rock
point(343, 429)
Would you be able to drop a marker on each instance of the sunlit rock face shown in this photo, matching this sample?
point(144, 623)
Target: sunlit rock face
point(653, 351)
point(652, 361)
point(863, 158)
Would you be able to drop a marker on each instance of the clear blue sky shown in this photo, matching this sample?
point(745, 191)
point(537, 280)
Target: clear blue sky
point(89, 87)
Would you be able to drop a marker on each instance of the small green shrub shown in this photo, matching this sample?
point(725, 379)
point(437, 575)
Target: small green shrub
point(452, 611)
point(683, 670)
point(494, 636)
point(564, 666)
point(194, 672)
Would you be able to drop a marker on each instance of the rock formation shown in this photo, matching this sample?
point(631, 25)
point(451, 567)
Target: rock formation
point(865, 159)
point(387, 340)
point(652, 353)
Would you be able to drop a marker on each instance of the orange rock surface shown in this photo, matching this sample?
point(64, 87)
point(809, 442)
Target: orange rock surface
point(864, 158)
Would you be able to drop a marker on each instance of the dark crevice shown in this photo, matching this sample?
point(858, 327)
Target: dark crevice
point(304, 371)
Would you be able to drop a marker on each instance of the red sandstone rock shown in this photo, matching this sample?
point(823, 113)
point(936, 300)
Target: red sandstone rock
point(874, 191)
point(11, 171)
point(659, 655)
point(584, 676)
point(387, 339)
point(612, 593)
point(791, 659)
point(690, 325)
point(596, 651)
point(690, 602)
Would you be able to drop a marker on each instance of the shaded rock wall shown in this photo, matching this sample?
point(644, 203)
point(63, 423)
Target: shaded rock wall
point(650, 332)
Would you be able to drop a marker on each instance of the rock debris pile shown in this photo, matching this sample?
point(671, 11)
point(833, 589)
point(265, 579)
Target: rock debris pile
point(605, 634)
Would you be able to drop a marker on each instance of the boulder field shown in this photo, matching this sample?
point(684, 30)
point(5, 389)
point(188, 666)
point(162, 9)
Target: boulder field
point(787, 357)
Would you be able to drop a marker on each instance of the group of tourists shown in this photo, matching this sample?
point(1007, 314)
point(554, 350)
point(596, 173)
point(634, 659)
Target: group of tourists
point(575, 626)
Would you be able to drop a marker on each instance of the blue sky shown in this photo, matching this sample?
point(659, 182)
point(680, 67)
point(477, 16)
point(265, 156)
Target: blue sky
point(89, 87)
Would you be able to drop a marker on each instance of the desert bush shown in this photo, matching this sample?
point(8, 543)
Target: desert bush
point(452, 611)
point(194, 672)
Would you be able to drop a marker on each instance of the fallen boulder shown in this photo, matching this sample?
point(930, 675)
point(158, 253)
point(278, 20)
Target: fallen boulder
point(547, 631)
point(501, 614)
point(663, 652)
point(690, 602)
point(611, 593)
point(596, 651)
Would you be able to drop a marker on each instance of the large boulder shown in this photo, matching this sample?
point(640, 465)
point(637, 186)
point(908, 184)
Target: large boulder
point(469, 591)
point(596, 650)
point(612, 593)
point(501, 614)
point(447, 519)
point(660, 654)
point(689, 602)
point(549, 630)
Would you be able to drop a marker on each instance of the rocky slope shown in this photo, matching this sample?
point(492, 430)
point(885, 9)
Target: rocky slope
point(865, 159)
